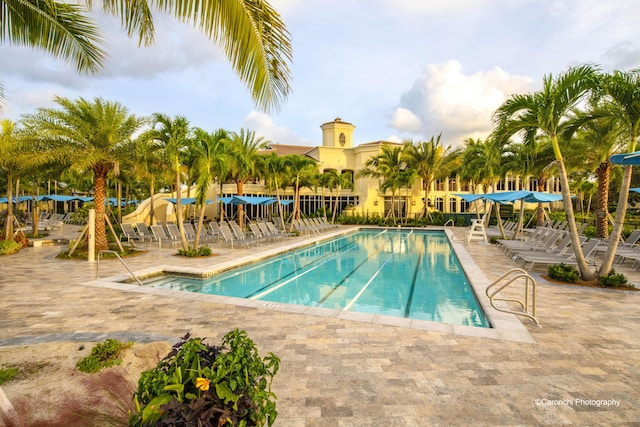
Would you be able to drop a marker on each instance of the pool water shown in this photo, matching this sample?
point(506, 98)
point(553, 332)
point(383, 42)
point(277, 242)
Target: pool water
point(403, 273)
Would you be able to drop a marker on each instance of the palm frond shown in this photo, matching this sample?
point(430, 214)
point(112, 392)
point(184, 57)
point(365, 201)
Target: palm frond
point(61, 29)
point(253, 37)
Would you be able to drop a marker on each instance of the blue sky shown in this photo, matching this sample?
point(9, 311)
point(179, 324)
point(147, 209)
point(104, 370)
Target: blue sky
point(396, 69)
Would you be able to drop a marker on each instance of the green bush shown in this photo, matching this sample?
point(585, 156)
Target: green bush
point(8, 374)
point(563, 273)
point(103, 355)
point(194, 253)
point(8, 247)
point(613, 279)
point(200, 384)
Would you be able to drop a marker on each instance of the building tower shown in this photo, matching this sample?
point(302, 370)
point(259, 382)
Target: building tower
point(337, 134)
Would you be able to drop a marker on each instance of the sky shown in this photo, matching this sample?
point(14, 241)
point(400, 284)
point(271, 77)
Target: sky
point(396, 69)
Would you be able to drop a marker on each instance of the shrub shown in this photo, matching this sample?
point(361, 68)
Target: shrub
point(200, 384)
point(8, 374)
point(8, 247)
point(193, 253)
point(613, 279)
point(103, 355)
point(563, 273)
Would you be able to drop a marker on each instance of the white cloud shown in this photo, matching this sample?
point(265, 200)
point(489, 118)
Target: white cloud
point(406, 120)
point(445, 100)
point(264, 126)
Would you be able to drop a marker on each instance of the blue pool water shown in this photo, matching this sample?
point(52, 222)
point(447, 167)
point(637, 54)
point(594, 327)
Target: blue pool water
point(402, 273)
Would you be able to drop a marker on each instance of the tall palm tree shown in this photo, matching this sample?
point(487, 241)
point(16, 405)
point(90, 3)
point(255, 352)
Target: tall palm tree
point(174, 134)
point(209, 165)
point(10, 164)
point(546, 112)
point(622, 102)
point(431, 161)
point(86, 135)
point(251, 33)
point(389, 167)
point(243, 159)
point(595, 141)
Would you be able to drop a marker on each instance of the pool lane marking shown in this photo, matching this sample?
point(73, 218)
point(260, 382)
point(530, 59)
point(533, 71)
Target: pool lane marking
point(270, 287)
point(371, 279)
point(267, 289)
point(407, 309)
point(274, 288)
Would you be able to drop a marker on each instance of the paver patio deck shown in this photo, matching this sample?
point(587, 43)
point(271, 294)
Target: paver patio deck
point(341, 372)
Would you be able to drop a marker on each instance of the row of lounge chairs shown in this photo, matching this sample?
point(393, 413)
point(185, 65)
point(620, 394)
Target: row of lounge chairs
point(626, 250)
point(312, 225)
point(224, 231)
point(547, 245)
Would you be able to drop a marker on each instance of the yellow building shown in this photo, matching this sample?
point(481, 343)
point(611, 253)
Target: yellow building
point(338, 153)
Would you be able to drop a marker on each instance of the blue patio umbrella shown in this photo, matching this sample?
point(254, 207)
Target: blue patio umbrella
point(635, 190)
point(626, 159)
point(186, 200)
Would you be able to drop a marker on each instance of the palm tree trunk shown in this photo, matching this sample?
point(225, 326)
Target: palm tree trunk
point(179, 219)
point(100, 180)
point(280, 210)
point(152, 211)
point(585, 272)
point(602, 203)
point(240, 192)
point(618, 224)
point(8, 226)
point(199, 228)
point(335, 206)
point(540, 212)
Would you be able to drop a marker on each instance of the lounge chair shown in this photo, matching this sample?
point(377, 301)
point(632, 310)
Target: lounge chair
point(272, 227)
point(144, 231)
point(564, 258)
point(240, 236)
point(161, 235)
point(129, 233)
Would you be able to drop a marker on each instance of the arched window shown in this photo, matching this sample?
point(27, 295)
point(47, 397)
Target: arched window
point(439, 204)
point(453, 205)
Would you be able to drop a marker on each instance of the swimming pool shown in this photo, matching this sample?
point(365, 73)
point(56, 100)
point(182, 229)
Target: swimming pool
point(403, 273)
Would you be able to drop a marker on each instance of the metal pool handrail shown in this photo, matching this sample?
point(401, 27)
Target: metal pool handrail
point(121, 260)
point(519, 273)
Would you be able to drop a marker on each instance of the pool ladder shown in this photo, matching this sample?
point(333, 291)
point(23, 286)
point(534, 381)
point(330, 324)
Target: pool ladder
point(121, 260)
point(508, 279)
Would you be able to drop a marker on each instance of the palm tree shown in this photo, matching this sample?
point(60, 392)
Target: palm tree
point(274, 172)
point(243, 159)
point(622, 103)
point(209, 165)
point(596, 140)
point(388, 166)
point(526, 161)
point(10, 163)
point(87, 135)
point(174, 134)
point(484, 160)
point(251, 33)
point(300, 172)
point(150, 163)
point(546, 112)
point(431, 161)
